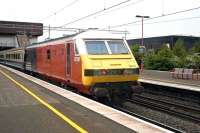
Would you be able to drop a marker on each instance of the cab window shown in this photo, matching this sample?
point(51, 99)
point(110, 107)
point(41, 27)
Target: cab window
point(96, 47)
point(117, 47)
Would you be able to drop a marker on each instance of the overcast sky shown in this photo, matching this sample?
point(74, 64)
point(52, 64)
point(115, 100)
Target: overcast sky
point(51, 12)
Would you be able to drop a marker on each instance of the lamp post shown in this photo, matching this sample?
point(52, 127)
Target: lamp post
point(139, 16)
point(142, 41)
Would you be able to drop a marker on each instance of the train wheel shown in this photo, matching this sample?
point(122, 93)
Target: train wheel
point(138, 89)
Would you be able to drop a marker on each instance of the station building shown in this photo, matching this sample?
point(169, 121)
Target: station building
point(158, 42)
point(18, 34)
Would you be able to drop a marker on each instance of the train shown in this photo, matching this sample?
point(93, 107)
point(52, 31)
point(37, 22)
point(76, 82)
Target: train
point(96, 63)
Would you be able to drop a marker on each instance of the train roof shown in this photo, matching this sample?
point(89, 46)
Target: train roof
point(55, 39)
point(91, 34)
point(95, 34)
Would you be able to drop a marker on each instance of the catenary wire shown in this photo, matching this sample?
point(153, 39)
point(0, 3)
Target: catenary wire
point(59, 10)
point(160, 16)
point(97, 12)
point(173, 20)
point(117, 9)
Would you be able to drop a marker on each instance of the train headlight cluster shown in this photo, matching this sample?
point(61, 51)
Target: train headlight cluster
point(106, 72)
point(131, 71)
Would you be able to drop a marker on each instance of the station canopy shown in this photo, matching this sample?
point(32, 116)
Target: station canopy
point(17, 28)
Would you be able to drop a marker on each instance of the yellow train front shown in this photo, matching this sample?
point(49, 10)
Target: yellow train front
point(108, 66)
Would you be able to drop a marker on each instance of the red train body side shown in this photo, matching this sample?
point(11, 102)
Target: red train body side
point(59, 63)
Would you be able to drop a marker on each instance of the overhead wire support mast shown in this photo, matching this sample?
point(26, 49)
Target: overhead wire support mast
point(139, 16)
point(174, 20)
point(96, 13)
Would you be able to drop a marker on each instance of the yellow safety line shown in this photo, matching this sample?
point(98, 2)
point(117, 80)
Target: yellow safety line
point(66, 119)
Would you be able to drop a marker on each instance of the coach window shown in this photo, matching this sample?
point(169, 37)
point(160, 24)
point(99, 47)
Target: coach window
point(48, 54)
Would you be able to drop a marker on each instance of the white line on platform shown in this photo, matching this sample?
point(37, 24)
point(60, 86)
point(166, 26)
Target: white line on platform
point(168, 84)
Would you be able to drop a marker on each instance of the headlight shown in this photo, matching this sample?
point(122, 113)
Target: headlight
point(92, 72)
point(131, 71)
point(103, 72)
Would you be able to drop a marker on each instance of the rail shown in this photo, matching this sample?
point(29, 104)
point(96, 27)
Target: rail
point(148, 120)
point(170, 108)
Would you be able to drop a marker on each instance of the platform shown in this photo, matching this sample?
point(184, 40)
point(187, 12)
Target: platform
point(22, 111)
point(164, 78)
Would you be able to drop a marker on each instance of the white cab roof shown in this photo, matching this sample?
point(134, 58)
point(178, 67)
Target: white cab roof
point(95, 34)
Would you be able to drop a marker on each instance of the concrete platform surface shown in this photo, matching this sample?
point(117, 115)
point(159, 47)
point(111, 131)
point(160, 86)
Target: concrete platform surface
point(20, 112)
point(164, 78)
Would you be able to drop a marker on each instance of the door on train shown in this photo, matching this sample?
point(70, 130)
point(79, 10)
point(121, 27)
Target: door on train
point(68, 62)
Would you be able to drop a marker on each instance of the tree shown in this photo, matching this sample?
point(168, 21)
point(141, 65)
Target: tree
point(135, 48)
point(179, 49)
point(196, 60)
point(149, 61)
point(196, 47)
point(165, 59)
point(138, 56)
point(166, 52)
point(180, 53)
point(162, 60)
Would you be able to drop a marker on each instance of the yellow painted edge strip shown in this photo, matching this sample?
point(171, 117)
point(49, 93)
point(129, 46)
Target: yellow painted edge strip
point(73, 124)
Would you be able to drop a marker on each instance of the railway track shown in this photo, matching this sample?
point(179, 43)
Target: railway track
point(148, 120)
point(174, 97)
point(168, 107)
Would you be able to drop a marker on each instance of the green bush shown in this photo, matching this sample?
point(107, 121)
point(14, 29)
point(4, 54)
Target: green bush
point(181, 62)
point(179, 49)
point(193, 61)
point(196, 47)
point(149, 61)
point(162, 60)
point(135, 50)
point(165, 59)
point(196, 61)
